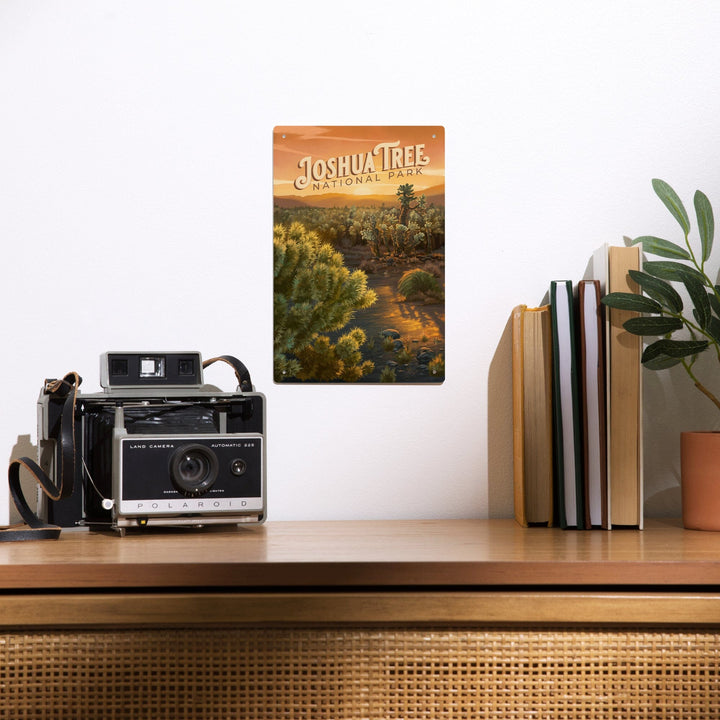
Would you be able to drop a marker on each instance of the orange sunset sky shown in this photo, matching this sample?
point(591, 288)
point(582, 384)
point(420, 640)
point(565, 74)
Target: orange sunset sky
point(292, 143)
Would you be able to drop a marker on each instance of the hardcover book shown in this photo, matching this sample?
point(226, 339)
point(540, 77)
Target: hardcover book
point(623, 376)
point(625, 396)
point(592, 372)
point(567, 419)
point(532, 415)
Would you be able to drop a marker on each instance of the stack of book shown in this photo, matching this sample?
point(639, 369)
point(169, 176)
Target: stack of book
point(577, 403)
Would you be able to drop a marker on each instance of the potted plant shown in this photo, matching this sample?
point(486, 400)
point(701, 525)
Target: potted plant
point(665, 316)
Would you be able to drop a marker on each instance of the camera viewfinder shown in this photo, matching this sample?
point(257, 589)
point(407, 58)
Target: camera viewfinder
point(153, 367)
point(119, 367)
point(186, 366)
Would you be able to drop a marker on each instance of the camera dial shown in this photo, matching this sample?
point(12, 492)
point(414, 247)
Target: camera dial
point(193, 469)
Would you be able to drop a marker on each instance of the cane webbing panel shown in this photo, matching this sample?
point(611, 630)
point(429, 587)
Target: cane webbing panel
point(383, 673)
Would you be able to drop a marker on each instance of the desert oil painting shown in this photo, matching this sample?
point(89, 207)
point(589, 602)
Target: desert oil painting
point(359, 254)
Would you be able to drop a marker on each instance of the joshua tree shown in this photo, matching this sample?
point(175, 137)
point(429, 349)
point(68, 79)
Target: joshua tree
point(406, 195)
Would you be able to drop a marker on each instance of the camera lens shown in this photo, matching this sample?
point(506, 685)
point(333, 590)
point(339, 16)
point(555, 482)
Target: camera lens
point(193, 469)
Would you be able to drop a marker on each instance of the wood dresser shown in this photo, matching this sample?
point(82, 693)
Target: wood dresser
point(396, 619)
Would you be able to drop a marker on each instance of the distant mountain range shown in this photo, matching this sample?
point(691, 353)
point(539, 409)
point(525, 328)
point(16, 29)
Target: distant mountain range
point(434, 195)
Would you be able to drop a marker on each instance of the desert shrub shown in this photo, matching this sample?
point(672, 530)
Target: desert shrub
point(325, 361)
point(417, 284)
point(404, 356)
point(437, 366)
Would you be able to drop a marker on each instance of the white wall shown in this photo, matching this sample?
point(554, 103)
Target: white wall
point(136, 204)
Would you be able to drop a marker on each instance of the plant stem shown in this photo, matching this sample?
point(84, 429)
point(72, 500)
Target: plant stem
point(700, 386)
point(693, 328)
point(692, 254)
point(708, 394)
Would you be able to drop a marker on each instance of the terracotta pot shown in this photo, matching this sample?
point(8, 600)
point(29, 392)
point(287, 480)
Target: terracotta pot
point(700, 481)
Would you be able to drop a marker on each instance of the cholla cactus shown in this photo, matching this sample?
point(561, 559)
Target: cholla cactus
point(325, 361)
point(315, 294)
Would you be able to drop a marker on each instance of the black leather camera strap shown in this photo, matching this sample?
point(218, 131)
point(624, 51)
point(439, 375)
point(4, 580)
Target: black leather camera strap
point(34, 528)
point(241, 372)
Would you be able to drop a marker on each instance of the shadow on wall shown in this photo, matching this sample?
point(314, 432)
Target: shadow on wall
point(671, 405)
point(24, 448)
point(500, 450)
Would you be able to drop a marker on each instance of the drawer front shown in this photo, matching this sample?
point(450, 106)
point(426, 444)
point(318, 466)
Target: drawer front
point(374, 672)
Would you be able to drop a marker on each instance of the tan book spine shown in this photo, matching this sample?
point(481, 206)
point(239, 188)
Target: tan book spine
point(518, 416)
point(625, 410)
point(538, 423)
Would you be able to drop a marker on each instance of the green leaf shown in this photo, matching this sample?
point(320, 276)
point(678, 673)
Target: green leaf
point(663, 248)
point(661, 362)
point(699, 297)
point(658, 290)
point(714, 303)
point(714, 329)
point(706, 222)
point(673, 349)
point(669, 270)
point(631, 301)
point(652, 325)
point(673, 203)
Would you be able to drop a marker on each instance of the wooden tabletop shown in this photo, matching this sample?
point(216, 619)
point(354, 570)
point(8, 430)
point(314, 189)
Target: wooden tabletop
point(408, 554)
